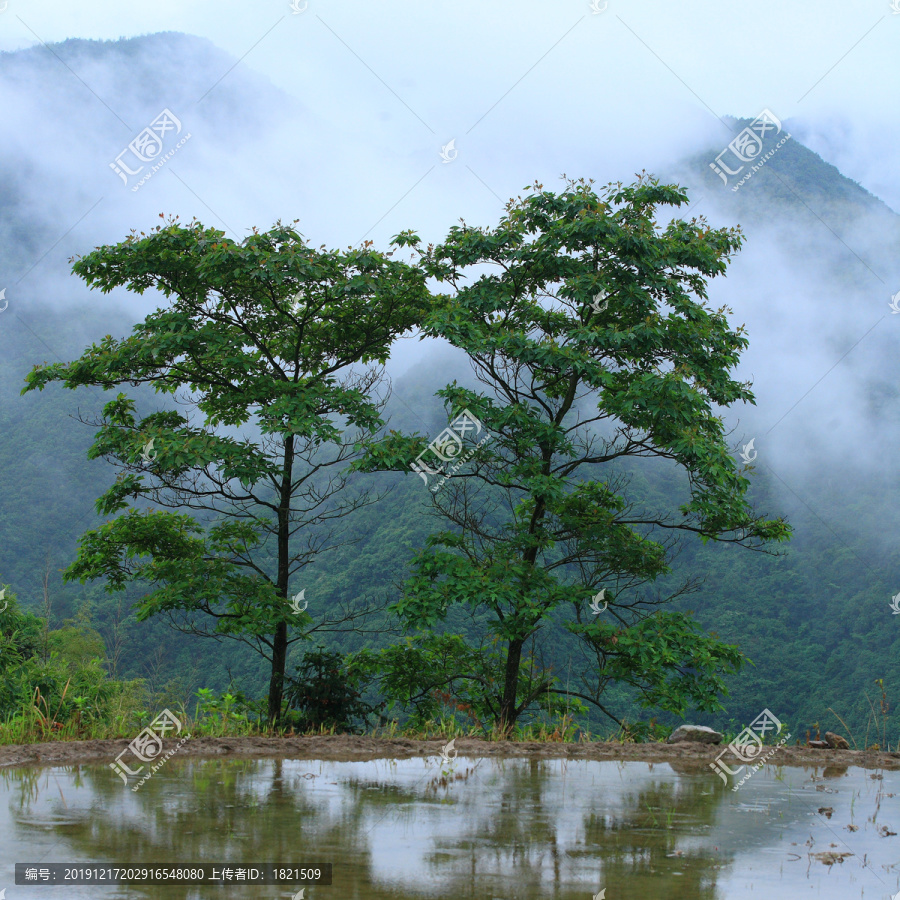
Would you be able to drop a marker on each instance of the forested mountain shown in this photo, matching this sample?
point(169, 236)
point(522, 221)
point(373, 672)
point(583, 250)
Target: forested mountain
point(818, 269)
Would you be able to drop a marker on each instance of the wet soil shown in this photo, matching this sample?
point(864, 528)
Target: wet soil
point(682, 757)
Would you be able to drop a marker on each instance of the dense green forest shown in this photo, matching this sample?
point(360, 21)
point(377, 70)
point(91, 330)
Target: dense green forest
point(815, 621)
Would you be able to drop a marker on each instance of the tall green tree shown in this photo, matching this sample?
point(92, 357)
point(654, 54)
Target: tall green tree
point(587, 323)
point(269, 331)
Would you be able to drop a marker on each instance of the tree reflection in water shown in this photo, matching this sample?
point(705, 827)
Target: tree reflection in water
point(394, 830)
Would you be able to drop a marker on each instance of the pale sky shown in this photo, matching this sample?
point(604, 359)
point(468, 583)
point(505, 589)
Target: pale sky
point(525, 91)
point(513, 83)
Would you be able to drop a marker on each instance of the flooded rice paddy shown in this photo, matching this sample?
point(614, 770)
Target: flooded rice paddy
point(515, 829)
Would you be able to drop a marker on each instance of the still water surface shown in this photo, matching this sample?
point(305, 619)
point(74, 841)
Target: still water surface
point(479, 828)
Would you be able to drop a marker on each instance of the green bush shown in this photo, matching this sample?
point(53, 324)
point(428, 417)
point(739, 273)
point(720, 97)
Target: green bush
point(324, 694)
point(53, 683)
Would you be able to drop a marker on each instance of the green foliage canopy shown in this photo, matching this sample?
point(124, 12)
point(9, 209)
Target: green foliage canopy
point(591, 316)
point(268, 329)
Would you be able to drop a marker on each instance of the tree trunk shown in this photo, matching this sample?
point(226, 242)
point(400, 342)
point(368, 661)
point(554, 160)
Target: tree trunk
point(276, 681)
point(508, 714)
point(280, 640)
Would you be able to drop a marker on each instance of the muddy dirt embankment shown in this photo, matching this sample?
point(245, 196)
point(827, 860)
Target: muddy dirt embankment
point(353, 747)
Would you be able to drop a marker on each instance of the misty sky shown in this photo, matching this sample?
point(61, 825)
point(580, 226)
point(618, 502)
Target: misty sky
point(525, 88)
point(525, 91)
